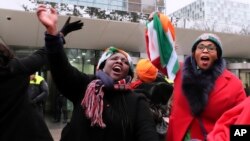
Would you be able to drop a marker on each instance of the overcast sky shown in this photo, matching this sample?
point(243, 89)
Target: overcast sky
point(173, 5)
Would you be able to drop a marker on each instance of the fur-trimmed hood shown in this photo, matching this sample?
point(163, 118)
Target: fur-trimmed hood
point(198, 84)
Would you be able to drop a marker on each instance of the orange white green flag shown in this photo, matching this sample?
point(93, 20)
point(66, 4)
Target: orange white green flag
point(160, 41)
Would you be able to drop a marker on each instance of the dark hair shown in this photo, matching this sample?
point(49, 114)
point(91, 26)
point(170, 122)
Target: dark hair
point(5, 54)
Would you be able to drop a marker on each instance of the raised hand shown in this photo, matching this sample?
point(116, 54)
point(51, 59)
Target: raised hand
point(48, 17)
point(69, 27)
point(151, 16)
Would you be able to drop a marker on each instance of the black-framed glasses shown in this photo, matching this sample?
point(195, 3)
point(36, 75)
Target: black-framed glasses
point(210, 48)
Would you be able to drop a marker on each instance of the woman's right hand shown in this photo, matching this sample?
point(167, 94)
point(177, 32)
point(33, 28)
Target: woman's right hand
point(48, 17)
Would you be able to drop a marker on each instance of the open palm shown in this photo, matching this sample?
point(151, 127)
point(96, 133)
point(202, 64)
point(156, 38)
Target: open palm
point(48, 17)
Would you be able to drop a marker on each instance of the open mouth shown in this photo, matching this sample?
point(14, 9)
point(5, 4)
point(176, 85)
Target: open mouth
point(205, 58)
point(117, 69)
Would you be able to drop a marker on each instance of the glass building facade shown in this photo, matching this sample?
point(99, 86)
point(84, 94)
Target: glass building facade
point(85, 60)
point(221, 15)
point(141, 6)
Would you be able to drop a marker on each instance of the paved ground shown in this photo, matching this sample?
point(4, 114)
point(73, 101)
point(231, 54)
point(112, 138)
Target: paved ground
point(55, 128)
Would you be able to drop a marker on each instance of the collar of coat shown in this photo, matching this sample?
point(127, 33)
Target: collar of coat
point(198, 84)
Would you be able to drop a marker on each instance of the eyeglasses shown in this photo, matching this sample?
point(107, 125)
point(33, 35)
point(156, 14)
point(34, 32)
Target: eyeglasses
point(209, 48)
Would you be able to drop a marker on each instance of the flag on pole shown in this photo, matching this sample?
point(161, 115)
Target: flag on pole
point(160, 41)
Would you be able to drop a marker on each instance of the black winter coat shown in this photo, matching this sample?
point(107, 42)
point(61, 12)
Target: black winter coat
point(19, 121)
point(72, 84)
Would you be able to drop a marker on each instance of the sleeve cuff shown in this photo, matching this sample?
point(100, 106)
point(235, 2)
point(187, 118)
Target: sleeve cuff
point(53, 43)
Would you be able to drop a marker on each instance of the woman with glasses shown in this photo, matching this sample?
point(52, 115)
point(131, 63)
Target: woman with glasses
point(203, 90)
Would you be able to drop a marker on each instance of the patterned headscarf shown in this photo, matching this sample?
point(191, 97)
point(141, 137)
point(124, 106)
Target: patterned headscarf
point(109, 52)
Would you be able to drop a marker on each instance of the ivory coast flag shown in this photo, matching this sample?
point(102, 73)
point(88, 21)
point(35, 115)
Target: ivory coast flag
point(160, 41)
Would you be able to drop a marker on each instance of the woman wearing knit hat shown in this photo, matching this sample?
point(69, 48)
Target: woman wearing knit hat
point(105, 109)
point(203, 90)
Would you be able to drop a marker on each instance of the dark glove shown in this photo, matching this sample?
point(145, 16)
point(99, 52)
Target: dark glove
point(69, 27)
